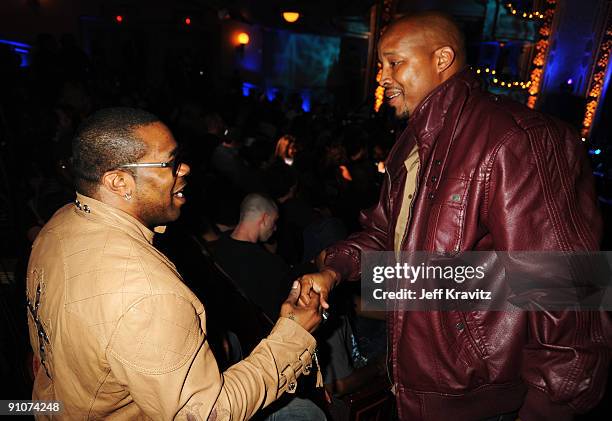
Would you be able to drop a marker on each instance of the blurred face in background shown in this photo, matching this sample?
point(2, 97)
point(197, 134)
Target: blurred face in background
point(286, 149)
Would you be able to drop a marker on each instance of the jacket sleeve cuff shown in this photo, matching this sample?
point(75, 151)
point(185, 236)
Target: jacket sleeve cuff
point(345, 263)
point(538, 406)
point(299, 357)
point(289, 331)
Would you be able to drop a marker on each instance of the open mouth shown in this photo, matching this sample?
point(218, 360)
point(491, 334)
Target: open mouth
point(392, 94)
point(180, 192)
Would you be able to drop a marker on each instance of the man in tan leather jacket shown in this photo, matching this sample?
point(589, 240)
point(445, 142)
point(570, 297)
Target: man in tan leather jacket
point(115, 332)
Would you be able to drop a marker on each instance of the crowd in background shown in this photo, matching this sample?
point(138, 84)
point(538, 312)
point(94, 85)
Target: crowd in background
point(320, 167)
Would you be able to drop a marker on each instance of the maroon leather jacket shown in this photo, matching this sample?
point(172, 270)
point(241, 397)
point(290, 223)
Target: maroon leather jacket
point(524, 184)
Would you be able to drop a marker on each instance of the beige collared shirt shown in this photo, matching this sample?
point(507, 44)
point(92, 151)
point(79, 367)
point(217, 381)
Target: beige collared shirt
point(403, 220)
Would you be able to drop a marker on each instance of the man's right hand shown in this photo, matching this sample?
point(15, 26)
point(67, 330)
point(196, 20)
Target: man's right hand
point(308, 316)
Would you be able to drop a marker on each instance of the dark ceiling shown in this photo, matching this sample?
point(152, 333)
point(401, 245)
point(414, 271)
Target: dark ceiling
point(323, 17)
point(333, 17)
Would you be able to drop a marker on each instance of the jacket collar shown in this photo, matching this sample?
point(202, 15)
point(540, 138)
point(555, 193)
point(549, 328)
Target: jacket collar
point(430, 117)
point(447, 98)
point(100, 211)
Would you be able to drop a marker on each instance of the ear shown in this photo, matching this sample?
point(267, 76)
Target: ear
point(265, 218)
point(445, 57)
point(119, 182)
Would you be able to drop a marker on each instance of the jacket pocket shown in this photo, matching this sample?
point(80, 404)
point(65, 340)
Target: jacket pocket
point(466, 342)
point(448, 213)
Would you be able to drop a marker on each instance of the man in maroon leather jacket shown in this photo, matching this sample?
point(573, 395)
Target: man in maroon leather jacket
point(518, 181)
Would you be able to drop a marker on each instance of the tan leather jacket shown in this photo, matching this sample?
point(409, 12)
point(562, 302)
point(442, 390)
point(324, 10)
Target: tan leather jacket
point(119, 335)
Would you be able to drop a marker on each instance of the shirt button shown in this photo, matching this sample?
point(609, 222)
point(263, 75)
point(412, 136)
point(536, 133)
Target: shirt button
point(409, 196)
point(460, 326)
point(438, 162)
point(431, 195)
point(434, 178)
point(292, 386)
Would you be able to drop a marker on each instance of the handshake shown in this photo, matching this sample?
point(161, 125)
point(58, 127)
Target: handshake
point(307, 300)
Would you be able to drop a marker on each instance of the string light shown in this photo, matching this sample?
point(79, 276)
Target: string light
point(379, 94)
point(596, 85)
point(486, 71)
point(526, 15)
point(541, 46)
point(511, 84)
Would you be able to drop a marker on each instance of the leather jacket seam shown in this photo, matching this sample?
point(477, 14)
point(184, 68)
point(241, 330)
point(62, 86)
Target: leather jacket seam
point(95, 395)
point(471, 391)
point(562, 162)
point(490, 168)
point(189, 354)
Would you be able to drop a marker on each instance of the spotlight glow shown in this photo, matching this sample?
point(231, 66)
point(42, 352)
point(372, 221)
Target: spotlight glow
point(291, 17)
point(243, 38)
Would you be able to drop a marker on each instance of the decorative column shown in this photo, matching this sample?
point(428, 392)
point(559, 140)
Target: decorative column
point(382, 14)
point(601, 75)
point(539, 61)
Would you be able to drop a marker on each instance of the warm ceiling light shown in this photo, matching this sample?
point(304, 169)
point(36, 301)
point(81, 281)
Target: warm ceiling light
point(291, 16)
point(243, 38)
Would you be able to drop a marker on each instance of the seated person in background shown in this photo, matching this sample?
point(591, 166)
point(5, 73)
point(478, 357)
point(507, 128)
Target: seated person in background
point(262, 276)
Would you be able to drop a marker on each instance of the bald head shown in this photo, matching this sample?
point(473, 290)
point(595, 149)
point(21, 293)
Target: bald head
point(258, 215)
point(254, 205)
point(418, 53)
point(436, 29)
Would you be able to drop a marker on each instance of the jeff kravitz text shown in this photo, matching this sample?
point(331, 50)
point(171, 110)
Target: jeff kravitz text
point(436, 294)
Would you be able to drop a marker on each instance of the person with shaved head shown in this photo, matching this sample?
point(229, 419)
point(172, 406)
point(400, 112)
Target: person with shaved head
point(474, 171)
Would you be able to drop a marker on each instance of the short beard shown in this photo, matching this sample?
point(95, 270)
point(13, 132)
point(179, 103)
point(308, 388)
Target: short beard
point(402, 115)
